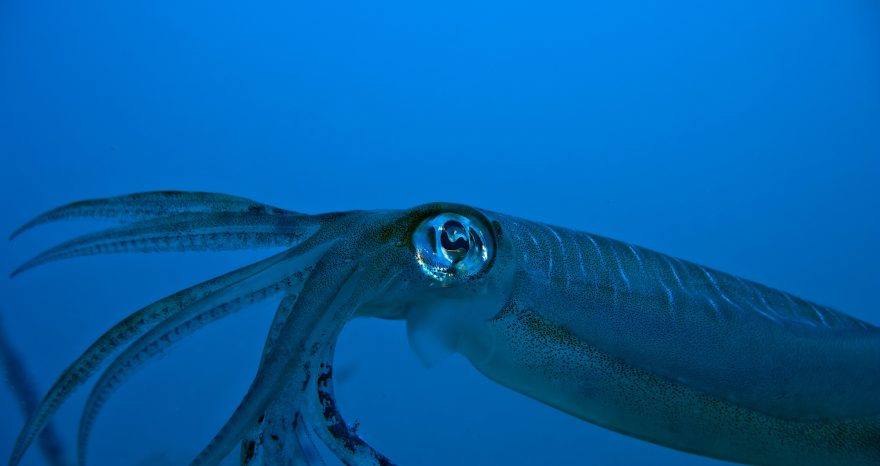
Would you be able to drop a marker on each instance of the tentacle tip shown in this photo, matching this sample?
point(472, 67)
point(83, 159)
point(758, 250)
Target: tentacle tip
point(14, 459)
point(18, 231)
point(27, 266)
point(18, 271)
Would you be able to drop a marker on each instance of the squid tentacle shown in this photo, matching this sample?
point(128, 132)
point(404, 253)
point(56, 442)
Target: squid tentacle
point(298, 341)
point(320, 408)
point(186, 232)
point(287, 275)
point(289, 443)
point(306, 443)
point(128, 329)
point(281, 436)
point(252, 405)
point(146, 205)
point(328, 423)
point(285, 308)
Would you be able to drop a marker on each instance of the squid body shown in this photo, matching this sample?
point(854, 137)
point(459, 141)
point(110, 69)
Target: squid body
point(645, 344)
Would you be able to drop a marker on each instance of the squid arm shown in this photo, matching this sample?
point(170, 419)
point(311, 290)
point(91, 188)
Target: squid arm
point(146, 205)
point(285, 276)
point(135, 325)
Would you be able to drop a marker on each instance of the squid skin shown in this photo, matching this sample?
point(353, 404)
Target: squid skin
point(142, 206)
point(655, 347)
point(186, 232)
point(642, 343)
point(619, 336)
point(288, 276)
point(162, 311)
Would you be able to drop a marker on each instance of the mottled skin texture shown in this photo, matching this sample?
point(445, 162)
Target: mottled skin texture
point(630, 339)
point(548, 363)
point(704, 362)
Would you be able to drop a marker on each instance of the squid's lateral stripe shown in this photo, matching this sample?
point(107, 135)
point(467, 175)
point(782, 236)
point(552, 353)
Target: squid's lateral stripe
point(185, 232)
point(192, 318)
point(120, 334)
point(283, 364)
point(146, 205)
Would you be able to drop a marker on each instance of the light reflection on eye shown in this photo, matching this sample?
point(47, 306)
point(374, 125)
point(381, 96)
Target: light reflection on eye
point(450, 246)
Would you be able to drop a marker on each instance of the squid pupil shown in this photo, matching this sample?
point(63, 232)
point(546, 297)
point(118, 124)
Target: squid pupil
point(458, 242)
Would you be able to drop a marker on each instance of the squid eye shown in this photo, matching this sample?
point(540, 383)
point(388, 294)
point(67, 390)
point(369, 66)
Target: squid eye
point(451, 246)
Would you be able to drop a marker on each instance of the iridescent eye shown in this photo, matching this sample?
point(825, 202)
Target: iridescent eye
point(450, 246)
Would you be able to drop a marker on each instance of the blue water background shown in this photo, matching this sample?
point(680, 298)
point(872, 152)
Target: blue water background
point(744, 135)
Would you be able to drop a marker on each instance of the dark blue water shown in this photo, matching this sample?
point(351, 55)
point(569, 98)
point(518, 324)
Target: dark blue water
point(744, 135)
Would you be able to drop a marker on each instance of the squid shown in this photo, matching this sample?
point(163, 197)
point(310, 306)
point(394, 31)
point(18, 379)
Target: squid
point(644, 344)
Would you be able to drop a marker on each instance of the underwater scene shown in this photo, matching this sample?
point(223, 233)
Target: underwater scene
point(474, 233)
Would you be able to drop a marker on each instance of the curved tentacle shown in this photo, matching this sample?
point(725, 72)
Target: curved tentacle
point(286, 275)
point(146, 205)
point(324, 417)
point(119, 335)
point(312, 399)
point(315, 311)
point(288, 444)
point(321, 413)
point(253, 404)
point(281, 435)
point(186, 232)
point(307, 443)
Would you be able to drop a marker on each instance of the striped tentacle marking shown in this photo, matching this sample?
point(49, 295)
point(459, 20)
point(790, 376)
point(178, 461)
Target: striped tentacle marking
point(147, 205)
point(186, 232)
point(286, 364)
point(286, 275)
point(121, 334)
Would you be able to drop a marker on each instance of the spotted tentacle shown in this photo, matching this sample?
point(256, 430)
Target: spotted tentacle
point(329, 425)
point(285, 276)
point(186, 232)
point(315, 312)
point(321, 413)
point(281, 435)
point(147, 205)
point(124, 332)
